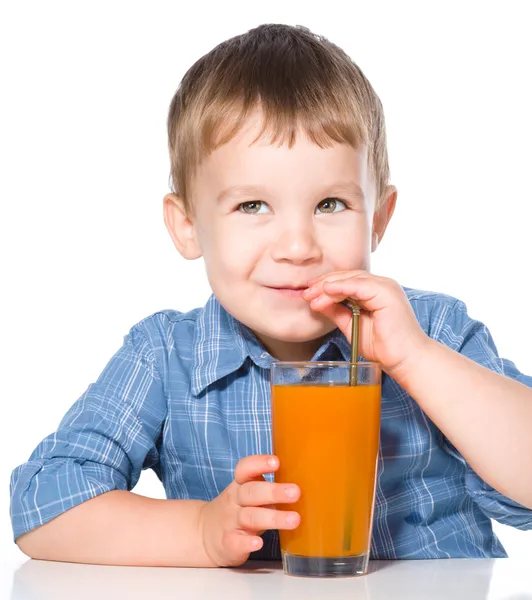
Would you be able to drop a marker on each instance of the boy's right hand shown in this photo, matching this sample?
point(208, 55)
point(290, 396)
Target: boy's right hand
point(232, 523)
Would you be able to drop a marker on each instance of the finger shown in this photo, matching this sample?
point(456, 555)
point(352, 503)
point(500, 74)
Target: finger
point(335, 275)
point(263, 493)
point(316, 289)
point(252, 468)
point(332, 274)
point(324, 301)
point(370, 294)
point(341, 317)
point(253, 519)
point(238, 544)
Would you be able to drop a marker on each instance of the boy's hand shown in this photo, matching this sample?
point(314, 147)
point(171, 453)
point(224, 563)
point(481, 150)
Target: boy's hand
point(389, 331)
point(232, 523)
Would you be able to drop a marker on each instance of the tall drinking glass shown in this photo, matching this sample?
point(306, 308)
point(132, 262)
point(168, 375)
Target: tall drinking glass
point(326, 435)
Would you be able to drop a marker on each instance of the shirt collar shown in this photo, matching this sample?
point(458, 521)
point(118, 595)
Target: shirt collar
point(335, 347)
point(222, 345)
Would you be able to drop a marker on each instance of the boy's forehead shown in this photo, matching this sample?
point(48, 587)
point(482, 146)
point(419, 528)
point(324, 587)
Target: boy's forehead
point(247, 157)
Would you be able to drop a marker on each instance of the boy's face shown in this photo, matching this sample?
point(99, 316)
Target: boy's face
point(267, 218)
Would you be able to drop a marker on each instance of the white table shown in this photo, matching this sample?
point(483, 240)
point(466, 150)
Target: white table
point(499, 579)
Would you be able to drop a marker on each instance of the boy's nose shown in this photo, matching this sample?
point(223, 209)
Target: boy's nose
point(296, 244)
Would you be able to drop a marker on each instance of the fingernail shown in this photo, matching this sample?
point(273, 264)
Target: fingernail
point(291, 520)
point(273, 462)
point(290, 491)
point(255, 543)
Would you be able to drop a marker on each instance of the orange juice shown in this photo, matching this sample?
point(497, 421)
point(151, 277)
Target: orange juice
point(327, 441)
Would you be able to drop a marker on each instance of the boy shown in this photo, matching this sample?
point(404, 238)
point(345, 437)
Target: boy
point(280, 181)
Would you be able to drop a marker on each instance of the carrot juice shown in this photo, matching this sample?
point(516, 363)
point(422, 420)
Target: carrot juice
point(327, 439)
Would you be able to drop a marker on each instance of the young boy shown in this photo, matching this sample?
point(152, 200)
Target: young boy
point(280, 177)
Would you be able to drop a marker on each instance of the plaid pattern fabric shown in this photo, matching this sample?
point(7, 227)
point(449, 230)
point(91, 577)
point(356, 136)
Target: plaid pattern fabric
point(187, 395)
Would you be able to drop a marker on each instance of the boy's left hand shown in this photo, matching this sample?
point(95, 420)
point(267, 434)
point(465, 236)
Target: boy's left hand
point(389, 331)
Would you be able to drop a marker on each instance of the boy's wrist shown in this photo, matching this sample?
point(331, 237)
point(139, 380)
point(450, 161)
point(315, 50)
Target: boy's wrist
point(406, 370)
point(203, 536)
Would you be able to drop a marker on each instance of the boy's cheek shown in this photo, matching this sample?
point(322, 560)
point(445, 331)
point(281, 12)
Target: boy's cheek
point(347, 249)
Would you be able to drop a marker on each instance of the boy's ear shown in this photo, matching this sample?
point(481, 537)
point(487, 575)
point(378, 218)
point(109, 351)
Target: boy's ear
point(180, 227)
point(382, 215)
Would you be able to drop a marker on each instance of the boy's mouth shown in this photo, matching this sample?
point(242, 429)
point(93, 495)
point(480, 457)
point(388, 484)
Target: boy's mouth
point(289, 291)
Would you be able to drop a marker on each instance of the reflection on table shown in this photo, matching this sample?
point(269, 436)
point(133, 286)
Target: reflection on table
point(453, 579)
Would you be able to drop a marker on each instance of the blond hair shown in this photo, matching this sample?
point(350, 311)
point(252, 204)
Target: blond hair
point(296, 78)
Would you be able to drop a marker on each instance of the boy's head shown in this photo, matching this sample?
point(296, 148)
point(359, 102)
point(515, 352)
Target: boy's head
point(280, 174)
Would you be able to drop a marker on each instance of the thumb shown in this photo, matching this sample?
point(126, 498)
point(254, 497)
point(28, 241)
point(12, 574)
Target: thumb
point(341, 316)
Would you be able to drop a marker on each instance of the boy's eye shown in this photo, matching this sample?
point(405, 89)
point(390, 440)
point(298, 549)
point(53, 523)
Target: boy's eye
point(254, 207)
point(331, 205)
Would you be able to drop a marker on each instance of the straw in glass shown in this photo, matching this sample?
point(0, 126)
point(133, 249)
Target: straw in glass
point(353, 380)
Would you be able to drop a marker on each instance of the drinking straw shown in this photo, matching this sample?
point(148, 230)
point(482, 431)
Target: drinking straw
point(353, 380)
point(353, 372)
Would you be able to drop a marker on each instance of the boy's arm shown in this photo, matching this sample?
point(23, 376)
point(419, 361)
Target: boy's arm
point(485, 415)
point(102, 443)
point(122, 528)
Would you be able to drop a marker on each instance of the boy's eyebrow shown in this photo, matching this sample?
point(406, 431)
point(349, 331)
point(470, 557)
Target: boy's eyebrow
point(241, 190)
point(348, 187)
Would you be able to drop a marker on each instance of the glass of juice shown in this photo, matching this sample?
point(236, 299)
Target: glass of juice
point(325, 427)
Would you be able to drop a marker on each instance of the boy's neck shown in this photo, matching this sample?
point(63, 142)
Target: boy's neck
point(291, 351)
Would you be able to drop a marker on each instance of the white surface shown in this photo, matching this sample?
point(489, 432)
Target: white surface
point(388, 580)
point(84, 167)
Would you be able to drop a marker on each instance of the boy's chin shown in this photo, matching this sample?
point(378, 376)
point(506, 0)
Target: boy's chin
point(297, 334)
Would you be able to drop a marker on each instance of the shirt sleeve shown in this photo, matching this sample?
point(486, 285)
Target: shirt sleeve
point(103, 442)
point(473, 339)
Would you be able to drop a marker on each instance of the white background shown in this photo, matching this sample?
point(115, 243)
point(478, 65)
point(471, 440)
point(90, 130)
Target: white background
point(84, 167)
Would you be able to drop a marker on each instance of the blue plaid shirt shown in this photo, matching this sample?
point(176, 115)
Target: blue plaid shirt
point(188, 396)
